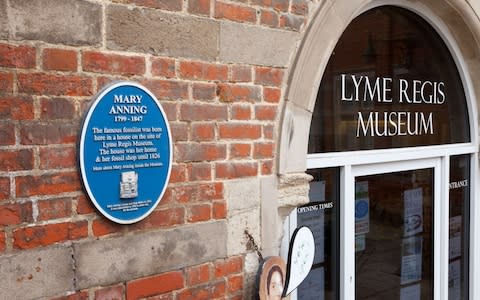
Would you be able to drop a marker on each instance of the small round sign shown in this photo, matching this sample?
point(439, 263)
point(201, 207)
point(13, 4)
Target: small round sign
point(361, 209)
point(125, 152)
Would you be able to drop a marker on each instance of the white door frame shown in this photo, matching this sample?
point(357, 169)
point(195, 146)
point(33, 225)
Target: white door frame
point(386, 161)
point(347, 219)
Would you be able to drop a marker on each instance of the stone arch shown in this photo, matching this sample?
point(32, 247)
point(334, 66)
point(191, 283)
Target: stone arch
point(457, 22)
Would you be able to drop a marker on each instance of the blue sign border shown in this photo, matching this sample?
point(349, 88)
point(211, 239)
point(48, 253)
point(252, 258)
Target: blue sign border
point(96, 181)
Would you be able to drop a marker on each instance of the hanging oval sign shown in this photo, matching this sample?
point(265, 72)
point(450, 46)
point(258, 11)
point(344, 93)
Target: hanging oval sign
point(300, 258)
point(125, 152)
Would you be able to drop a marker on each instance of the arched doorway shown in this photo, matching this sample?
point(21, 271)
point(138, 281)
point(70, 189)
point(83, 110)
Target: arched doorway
point(373, 147)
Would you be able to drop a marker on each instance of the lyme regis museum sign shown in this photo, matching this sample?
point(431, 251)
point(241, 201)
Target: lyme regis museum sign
point(393, 123)
point(125, 152)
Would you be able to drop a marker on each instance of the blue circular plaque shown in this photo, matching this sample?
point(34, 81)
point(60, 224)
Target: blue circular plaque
point(125, 152)
point(361, 209)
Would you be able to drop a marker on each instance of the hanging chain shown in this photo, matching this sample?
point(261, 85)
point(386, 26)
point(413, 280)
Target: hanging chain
point(253, 244)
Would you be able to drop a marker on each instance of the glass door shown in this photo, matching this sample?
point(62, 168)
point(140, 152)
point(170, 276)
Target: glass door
point(392, 214)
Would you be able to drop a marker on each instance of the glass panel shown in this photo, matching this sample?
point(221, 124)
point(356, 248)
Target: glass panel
point(321, 215)
point(391, 82)
point(459, 208)
point(394, 236)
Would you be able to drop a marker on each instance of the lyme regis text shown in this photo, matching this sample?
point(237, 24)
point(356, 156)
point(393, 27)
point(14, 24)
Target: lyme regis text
point(384, 91)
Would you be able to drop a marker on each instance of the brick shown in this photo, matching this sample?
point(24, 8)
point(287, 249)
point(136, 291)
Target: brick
point(205, 292)
point(166, 89)
point(235, 12)
point(199, 7)
point(203, 131)
point(47, 184)
point(219, 210)
point(292, 22)
point(83, 295)
point(265, 112)
point(198, 274)
point(36, 236)
point(266, 167)
point(22, 57)
point(241, 112)
point(199, 213)
point(263, 150)
point(240, 150)
point(268, 76)
point(4, 188)
point(110, 293)
point(203, 71)
point(154, 285)
point(234, 283)
point(161, 219)
point(60, 59)
point(2, 241)
point(14, 214)
point(103, 227)
point(178, 173)
point(203, 112)
point(239, 131)
point(170, 109)
point(6, 83)
point(57, 109)
point(166, 197)
point(169, 296)
point(238, 93)
point(48, 133)
point(200, 172)
point(269, 18)
point(65, 157)
point(211, 191)
point(69, 22)
point(103, 81)
point(113, 64)
point(233, 170)
point(198, 193)
point(54, 209)
point(191, 152)
point(241, 73)
point(279, 5)
point(229, 266)
point(299, 7)
point(56, 85)
point(268, 131)
point(159, 33)
point(7, 134)
point(204, 91)
point(164, 67)
point(173, 5)
point(271, 94)
point(16, 108)
point(16, 160)
point(84, 206)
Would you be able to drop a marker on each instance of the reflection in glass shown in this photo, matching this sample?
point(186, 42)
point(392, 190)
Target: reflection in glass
point(459, 229)
point(394, 236)
point(390, 82)
point(321, 216)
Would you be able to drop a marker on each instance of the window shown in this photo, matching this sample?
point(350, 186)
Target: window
point(390, 129)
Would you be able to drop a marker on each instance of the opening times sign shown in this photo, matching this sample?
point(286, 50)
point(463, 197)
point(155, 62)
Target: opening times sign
point(125, 152)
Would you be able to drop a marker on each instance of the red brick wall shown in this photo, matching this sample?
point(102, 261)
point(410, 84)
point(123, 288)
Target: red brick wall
point(222, 116)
